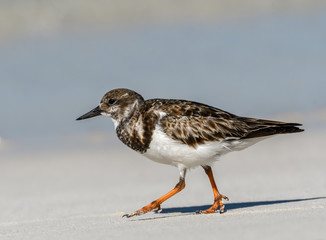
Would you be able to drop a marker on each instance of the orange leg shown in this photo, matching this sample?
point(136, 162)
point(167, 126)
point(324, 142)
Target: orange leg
point(157, 203)
point(217, 196)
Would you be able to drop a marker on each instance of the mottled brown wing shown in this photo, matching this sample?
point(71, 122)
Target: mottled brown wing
point(194, 123)
point(196, 130)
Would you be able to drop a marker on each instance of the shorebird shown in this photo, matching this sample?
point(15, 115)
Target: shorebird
point(181, 133)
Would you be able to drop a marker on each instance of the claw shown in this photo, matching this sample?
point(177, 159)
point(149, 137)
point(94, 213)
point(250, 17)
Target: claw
point(159, 209)
point(132, 214)
point(222, 210)
point(127, 215)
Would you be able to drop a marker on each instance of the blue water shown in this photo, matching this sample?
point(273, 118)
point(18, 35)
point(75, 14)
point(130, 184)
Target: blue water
point(258, 67)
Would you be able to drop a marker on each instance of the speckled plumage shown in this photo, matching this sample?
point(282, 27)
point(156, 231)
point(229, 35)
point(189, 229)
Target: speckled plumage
point(182, 133)
point(187, 122)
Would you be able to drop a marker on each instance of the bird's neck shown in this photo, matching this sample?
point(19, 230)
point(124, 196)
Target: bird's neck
point(130, 129)
point(136, 131)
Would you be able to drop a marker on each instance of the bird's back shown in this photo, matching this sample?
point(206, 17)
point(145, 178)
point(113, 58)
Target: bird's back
point(194, 123)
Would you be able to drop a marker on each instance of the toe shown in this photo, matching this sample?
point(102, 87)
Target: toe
point(159, 209)
point(222, 209)
point(132, 214)
point(224, 197)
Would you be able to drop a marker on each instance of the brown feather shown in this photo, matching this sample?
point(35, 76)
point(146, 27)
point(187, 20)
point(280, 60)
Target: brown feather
point(194, 123)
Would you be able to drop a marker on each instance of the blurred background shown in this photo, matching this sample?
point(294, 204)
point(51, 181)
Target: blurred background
point(255, 58)
point(74, 179)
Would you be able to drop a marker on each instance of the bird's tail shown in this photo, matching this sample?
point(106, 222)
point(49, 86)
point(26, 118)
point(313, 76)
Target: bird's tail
point(262, 128)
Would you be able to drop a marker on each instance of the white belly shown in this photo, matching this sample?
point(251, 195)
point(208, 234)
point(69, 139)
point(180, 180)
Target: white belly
point(164, 149)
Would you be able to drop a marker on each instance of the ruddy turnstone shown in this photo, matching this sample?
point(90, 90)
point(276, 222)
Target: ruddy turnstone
point(183, 134)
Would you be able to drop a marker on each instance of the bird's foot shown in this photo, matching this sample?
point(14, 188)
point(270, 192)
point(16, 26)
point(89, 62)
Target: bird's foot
point(150, 207)
point(217, 203)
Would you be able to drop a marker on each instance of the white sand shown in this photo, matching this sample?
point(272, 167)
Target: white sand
point(277, 190)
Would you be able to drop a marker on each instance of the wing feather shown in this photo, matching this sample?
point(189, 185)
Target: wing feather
point(194, 123)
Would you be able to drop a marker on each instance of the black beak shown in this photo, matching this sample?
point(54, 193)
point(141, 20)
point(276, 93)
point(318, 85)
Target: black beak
point(93, 113)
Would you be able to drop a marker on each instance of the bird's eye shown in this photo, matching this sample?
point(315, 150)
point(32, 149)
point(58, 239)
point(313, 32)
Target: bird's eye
point(111, 101)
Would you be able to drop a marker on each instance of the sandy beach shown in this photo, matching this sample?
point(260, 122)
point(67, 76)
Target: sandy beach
point(277, 190)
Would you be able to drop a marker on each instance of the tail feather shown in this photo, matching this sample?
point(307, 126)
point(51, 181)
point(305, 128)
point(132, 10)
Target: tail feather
point(262, 128)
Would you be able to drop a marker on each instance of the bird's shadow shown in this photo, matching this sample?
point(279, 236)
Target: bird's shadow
point(233, 206)
point(228, 206)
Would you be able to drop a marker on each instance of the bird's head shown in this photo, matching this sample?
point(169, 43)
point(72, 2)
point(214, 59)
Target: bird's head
point(117, 104)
